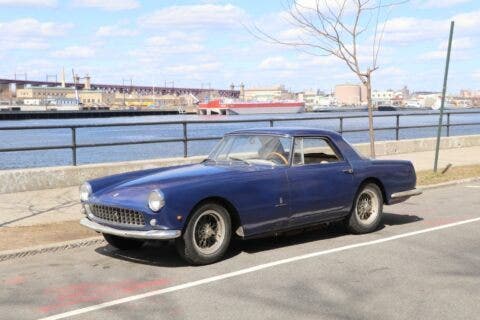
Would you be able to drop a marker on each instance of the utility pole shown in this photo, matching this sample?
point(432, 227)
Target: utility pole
point(75, 86)
point(442, 106)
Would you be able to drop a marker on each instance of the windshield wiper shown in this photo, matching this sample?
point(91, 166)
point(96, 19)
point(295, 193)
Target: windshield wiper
point(238, 159)
point(209, 160)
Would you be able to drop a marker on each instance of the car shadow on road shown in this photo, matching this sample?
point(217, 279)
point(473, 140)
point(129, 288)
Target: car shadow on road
point(393, 219)
point(154, 253)
point(164, 253)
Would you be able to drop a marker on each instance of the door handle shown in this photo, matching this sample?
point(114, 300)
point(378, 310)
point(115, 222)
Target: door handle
point(349, 171)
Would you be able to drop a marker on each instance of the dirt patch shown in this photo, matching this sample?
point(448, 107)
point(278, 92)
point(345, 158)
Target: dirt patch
point(454, 173)
point(27, 236)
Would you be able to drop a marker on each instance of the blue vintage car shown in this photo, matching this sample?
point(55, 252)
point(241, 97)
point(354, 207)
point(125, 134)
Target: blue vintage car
point(254, 183)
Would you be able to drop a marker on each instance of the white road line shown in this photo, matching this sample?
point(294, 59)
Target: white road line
point(472, 186)
point(249, 270)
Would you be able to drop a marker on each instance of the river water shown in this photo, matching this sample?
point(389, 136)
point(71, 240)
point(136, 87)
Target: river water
point(208, 128)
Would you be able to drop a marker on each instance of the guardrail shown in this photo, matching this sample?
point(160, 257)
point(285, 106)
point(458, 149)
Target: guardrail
point(185, 139)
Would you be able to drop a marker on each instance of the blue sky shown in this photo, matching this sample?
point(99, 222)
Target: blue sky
point(195, 43)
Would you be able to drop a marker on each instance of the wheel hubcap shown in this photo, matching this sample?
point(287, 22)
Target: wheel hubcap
point(209, 232)
point(367, 206)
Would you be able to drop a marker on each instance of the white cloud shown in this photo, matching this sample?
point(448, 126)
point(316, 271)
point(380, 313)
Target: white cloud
point(441, 3)
point(30, 3)
point(468, 20)
point(74, 52)
point(29, 34)
point(32, 27)
point(460, 50)
point(203, 15)
point(276, 63)
point(115, 31)
point(324, 6)
point(405, 30)
point(168, 44)
point(109, 5)
point(409, 29)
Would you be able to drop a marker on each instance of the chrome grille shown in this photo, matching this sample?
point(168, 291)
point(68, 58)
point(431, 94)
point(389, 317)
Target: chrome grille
point(117, 215)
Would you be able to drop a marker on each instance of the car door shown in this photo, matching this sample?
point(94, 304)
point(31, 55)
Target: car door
point(320, 180)
point(259, 191)
point(263, 200)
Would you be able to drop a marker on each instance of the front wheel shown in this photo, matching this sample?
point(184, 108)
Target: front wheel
point(207, 236)
point(123, 243)
point(367, 210)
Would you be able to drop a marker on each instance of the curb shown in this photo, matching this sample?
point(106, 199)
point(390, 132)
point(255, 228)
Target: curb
point(448, 183)
point(59, 246)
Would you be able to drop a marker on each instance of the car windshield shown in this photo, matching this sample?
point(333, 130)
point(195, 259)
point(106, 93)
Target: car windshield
point(253, 149)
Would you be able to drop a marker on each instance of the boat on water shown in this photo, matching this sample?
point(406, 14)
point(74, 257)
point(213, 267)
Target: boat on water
point(233, 107)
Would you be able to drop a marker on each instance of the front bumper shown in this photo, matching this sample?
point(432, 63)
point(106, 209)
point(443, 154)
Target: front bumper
point(407, 194)
point(146, 235)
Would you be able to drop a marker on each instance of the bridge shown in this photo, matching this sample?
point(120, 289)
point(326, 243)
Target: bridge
point(112, 88)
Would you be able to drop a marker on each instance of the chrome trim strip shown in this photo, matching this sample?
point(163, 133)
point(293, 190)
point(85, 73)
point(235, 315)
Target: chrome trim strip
point(408, 193)
point(147, 235)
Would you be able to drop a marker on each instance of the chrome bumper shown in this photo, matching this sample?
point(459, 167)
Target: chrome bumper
point(408, 193)
point(147, 235)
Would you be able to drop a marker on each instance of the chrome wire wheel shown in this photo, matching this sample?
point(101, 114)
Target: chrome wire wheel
point(209, 232)
point(367, 207)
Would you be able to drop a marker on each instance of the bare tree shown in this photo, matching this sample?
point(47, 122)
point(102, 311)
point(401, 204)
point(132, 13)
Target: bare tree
point(339, 28)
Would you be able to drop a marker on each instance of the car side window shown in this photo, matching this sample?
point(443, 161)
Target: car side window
point(313, 151)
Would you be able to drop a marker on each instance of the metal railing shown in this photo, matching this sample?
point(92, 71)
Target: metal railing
point(185, 139)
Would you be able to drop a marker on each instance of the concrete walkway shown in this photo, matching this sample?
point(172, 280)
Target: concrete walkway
point(54, 205)
point(424, 160)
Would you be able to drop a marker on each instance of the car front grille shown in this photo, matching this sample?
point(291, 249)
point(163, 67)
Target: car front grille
point(118, 215)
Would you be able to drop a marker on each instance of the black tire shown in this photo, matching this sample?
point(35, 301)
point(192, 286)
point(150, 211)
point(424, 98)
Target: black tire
point(123, 243)
point(202, 246)
point(360, 220)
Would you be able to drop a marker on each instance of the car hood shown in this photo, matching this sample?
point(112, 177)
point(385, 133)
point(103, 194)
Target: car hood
point(138, 186)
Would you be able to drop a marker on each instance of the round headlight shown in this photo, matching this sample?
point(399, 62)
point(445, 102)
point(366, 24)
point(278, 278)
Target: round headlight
point(85, 191)
point(156, 200)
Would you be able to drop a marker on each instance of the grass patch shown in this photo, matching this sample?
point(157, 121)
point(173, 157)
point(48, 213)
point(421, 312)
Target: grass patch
point(454, 173)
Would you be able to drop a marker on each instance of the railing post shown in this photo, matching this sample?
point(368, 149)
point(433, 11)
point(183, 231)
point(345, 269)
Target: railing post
point(448, 124)
point(340, 130)
point(397, 128)
point(271, 123)
point(185, 141)
point(74, 146)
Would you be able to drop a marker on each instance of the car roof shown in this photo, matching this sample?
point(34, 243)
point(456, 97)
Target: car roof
point(288, 131)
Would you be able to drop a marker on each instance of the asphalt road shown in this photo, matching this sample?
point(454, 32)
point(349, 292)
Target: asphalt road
point(424, 263)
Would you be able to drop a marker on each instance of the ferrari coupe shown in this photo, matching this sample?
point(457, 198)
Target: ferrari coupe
point(254, 183)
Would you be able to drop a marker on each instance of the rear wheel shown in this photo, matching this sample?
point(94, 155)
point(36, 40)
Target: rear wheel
point(367, 210)
point(123, 243)
point(207, 236)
